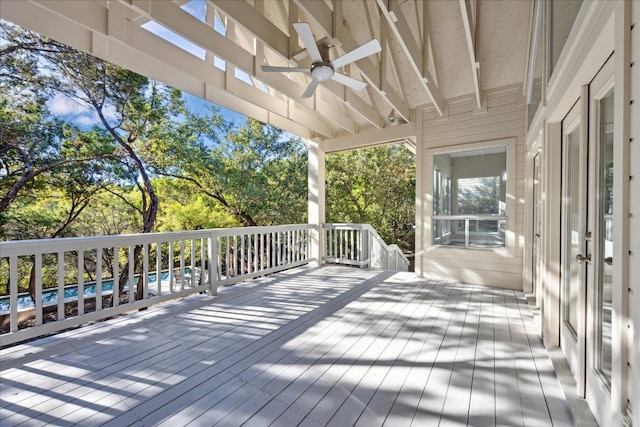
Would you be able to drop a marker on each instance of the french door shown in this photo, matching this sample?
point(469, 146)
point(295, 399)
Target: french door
point(587, 241)
point(537, 227)
point(575, 146)
point(600, 269)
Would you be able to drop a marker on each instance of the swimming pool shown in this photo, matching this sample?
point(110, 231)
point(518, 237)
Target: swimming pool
point(50, 296)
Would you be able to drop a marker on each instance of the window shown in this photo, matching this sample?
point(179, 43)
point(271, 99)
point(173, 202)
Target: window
point(534, 83)
point(562, 15)
point(469, 198)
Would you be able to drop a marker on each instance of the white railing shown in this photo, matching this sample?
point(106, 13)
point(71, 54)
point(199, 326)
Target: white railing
point(111, 275)
point(477, 231)
point(116, 274)
point(360, 245)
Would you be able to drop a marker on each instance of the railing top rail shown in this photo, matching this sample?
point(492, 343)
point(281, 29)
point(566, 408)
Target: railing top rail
point(259, 229)
point(29, 247)
point(480, 217)
point(346, 226)
point(392, 248)
point(396, 249)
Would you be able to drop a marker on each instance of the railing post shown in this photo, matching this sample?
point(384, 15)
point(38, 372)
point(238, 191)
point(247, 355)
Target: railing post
point(316, 243)
point(366, 246)
point(466, 233)
point(213, 265)
point(316, 197)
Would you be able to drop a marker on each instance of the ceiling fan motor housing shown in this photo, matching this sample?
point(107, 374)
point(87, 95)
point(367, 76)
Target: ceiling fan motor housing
point(322, 71)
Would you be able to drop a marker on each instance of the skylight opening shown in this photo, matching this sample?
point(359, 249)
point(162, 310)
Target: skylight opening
point(242, 76)
point(219, 63)
point(197, 9)
point(175, 39)
point(262, 86)
point(251, 81)
point(219, 26)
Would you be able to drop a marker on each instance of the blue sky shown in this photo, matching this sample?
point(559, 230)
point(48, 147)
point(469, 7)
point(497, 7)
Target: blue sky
point(85, 116)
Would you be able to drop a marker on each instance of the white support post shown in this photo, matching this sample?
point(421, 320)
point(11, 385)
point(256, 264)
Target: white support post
point(316, 207)
point(420, 218)
point(213, 267)
point(550, 310)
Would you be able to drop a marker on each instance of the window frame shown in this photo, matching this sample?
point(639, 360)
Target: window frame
point(510, 197)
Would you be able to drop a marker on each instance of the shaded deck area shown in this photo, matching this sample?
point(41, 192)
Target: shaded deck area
point(310, 346)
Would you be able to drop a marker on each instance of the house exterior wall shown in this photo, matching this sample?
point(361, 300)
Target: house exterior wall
point(604, 31)
point(634, 217)
point(462, 125)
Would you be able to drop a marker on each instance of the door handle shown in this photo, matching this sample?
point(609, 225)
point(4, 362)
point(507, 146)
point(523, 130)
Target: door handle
point(608, 260)
point(581, 258)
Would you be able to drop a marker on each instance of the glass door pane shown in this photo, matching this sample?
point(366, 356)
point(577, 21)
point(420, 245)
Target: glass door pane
point(605, 243)
point(537, 229)
point(573, 223)
point(573, 240)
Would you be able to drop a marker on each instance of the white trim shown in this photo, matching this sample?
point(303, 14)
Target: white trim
point(420, 197)
point(510, 144)
point(317, 196)
point(551, 231)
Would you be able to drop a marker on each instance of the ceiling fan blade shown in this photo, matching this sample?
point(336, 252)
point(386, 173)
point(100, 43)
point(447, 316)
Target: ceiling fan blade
point(304, 31)
point(270, 69)
point(349, 81)
point(311, 88)
point(363, 51)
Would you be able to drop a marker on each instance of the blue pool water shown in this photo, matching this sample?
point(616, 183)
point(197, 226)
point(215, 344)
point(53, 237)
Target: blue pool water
point(50, 296)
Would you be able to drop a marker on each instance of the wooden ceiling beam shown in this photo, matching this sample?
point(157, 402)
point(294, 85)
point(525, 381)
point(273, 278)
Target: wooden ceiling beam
point(231, 9)
point(372, 138)
point(255, 23)
point(110, 34)
point(400, 29)
point(323, 18)
point(468, 9)
point(183, 23)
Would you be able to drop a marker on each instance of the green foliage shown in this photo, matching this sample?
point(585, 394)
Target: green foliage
point(374, 186)
point(185, 208)
point(264, 172)
point(479, 196)
point(150, 164)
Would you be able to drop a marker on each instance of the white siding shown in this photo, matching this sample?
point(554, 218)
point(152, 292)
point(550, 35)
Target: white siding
point(504, 118)
point(634, 218)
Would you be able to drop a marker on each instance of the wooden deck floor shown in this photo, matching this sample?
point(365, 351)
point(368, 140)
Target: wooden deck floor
point(313, 346)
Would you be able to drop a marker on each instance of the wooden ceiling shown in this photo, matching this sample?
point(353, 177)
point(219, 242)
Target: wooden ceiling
point(432, 51)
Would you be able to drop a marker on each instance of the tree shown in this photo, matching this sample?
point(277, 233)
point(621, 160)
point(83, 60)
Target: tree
point(374, 186)
point(32, 143)
point(133, 112)
point(256, 172)
point(264, 172)
point(182, 208)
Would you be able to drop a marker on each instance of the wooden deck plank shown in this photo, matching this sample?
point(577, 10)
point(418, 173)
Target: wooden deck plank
point(343, 351)
point(435, 391)
point(402, 382)
point(316, 346)
point(210, 377)
point(558, 409)
point(482, 405)
point(404, 408)
point(455, 410)
point(264, 378)
point(378, 360)
point(372, 400)
point(513, 397)
point(378, 407)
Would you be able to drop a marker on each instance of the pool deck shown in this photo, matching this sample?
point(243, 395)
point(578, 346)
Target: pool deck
point(311, 346)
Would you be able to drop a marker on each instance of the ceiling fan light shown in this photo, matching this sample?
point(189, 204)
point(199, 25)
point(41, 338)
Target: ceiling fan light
point(322, 72)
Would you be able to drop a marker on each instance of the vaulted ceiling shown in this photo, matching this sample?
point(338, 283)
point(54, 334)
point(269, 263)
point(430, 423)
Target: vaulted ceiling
point(432, 51)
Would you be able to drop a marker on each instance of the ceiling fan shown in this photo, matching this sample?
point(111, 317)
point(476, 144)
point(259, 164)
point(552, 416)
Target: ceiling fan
point(321, 68)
